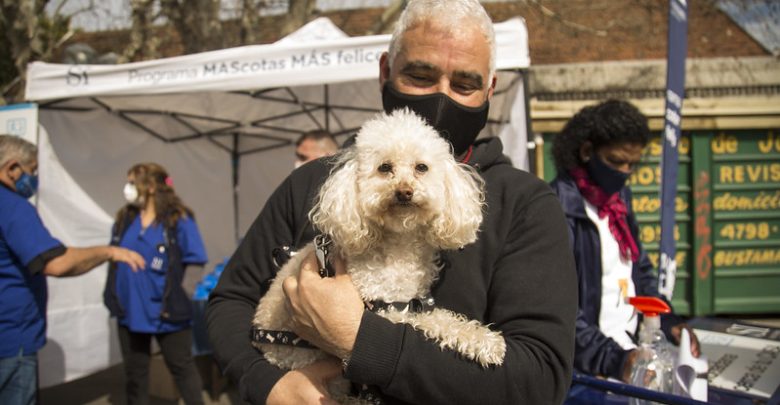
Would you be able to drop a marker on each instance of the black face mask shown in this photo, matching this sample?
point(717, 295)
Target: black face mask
point(610, 180)
point(455, 122)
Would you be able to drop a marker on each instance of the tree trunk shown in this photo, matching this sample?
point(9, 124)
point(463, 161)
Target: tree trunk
point(143, 41)
point(250, 21)
point(197, 22)
point(297, 15)
point(386, 22)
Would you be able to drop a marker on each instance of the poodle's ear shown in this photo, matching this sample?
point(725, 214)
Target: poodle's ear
point(338, 212)
point(463, 201)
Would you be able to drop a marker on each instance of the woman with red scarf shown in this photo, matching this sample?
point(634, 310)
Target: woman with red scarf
point(594, 156)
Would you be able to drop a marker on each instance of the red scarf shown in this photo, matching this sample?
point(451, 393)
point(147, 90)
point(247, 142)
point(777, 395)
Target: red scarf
point(612, 207)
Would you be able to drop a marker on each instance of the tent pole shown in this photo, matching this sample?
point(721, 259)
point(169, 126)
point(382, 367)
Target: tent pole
point(235, 157)
point(327, 109)
point(530, 136)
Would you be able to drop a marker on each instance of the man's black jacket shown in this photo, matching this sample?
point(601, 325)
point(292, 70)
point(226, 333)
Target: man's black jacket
point(518, 277)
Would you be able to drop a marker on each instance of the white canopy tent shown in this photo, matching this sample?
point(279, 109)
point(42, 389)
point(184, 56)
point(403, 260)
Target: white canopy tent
point(224, 124)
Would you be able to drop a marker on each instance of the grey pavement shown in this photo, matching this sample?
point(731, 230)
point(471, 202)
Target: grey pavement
point(107, 387)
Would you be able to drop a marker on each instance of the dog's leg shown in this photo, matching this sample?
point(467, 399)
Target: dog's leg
point(452, 331)
point(271, 315)
point(271, 312)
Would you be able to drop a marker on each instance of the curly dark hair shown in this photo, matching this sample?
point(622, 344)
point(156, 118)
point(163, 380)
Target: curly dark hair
point(167, 205)
point(610, 122)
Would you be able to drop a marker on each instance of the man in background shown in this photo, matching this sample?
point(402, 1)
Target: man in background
point(314, 145)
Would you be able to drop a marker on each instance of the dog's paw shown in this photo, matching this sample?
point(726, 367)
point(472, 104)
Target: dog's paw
point(492, 351)
point(452, 331)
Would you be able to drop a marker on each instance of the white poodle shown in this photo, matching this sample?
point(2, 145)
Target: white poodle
point(393, 201)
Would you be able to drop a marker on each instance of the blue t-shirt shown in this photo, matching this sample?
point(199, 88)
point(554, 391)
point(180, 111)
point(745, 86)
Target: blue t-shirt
point(141, 293)
point(23, 242)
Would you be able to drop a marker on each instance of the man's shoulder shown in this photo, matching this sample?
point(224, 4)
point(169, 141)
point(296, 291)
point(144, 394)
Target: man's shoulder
point(310, 175)
point(521, 183)
point(186, 224)
point(314, 168)
point(12, 204)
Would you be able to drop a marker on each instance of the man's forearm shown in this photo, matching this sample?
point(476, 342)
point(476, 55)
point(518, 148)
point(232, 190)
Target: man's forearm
point(77, 261)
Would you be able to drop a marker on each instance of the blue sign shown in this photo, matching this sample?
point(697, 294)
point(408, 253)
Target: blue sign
point(675, 92)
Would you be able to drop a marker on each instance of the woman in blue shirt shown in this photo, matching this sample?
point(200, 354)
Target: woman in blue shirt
point(152, 303)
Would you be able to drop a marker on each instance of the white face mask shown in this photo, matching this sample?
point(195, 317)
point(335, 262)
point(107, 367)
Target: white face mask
point(131, 193)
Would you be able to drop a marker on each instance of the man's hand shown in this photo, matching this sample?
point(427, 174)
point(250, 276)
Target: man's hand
point(628, 366)
point(306, 385)
point(133, 259)
point(324, 311)
point(677, 334)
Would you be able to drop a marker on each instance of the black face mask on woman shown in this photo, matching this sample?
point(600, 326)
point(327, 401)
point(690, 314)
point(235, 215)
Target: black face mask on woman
point(455, 122)
point(610, 180)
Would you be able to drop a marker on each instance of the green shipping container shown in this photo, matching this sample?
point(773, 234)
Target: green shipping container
point(727, 219)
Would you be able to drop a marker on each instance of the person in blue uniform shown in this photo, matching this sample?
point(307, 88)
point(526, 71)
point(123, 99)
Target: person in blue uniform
point(594, 155)
point(156, 224)
point(29, 253)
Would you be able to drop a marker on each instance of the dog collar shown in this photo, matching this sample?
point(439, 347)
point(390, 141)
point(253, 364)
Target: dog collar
point(322, 244)
point(415, 305)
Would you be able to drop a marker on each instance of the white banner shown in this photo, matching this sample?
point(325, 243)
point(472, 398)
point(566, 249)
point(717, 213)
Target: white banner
point(287, 63)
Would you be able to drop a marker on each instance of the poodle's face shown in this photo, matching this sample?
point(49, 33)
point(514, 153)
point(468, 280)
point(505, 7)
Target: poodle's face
point(400, 177)
point(399, 185)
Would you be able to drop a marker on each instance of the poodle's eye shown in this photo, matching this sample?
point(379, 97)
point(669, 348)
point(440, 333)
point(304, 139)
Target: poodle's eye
point(421, 167)
point(385, 168)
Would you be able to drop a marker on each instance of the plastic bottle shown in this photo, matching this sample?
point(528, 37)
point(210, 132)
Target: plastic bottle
point(654, 366)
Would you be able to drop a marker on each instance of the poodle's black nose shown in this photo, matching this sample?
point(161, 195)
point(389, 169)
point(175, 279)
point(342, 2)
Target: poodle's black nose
point(404, 194)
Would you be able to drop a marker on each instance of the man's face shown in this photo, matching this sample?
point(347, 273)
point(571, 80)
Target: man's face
point(432, 60)
point(624, 156)
point(308, 150)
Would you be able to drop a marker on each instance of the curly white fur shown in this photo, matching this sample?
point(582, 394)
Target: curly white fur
point(393, 200)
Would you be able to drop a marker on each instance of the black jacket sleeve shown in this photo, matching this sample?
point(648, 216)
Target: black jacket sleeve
point(531, 298)
point(597, 354)
point(245, 279)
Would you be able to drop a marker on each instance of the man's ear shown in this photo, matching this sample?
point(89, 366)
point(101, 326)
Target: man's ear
point(384, 69)
point(492, 87)
point(7, 172)
point(586, 151)
point(11, 167)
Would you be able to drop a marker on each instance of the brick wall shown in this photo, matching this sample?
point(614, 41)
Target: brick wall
point(602, 30)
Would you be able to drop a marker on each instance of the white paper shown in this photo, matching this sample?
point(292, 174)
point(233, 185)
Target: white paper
point(690, 375)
